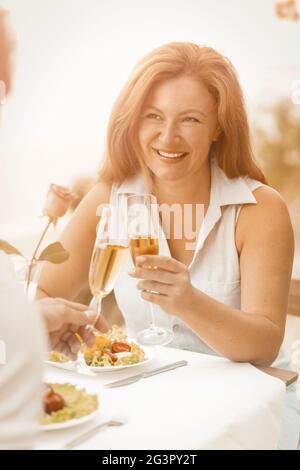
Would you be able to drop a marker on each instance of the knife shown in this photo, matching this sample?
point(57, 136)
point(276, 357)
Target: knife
point(144, 375)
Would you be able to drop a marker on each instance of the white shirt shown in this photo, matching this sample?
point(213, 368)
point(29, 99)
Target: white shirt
point(215, 268)
point(22, 342)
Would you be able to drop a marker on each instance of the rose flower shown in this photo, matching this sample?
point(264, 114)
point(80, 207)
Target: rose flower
point(58, 201)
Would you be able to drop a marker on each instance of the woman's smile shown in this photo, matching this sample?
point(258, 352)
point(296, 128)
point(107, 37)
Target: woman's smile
point(168, 156)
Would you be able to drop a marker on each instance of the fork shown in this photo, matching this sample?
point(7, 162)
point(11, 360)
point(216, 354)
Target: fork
point(76, 441)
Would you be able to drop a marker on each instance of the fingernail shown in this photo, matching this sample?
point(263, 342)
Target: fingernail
point(140, 259)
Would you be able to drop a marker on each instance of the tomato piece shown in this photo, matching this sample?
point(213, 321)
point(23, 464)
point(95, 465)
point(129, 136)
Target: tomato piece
point(53, 402)
point(118, 347)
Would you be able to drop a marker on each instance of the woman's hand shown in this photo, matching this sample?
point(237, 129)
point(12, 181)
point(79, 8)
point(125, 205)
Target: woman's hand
point(63, 319)
point(170, 281)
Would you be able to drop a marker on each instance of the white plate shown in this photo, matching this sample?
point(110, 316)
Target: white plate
point(70, 423)
point(69, 365)
point(149, 355)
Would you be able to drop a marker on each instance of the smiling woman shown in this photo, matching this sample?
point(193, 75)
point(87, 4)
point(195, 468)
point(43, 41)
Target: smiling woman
point(179, 130)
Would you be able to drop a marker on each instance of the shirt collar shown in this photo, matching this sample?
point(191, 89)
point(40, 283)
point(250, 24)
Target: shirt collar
point(224, 191)
point(134, 185)
point(228, 191)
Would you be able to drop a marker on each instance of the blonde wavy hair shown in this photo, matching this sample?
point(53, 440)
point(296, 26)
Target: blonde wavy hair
point(233, 150)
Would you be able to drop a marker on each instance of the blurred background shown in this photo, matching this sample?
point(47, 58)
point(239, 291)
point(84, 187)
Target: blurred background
point(72, 58)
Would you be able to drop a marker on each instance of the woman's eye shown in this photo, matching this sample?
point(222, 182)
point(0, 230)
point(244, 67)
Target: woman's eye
point(153, 116)
point(191, 119)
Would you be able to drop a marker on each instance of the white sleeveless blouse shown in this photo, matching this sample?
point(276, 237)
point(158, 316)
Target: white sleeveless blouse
point(215, 268)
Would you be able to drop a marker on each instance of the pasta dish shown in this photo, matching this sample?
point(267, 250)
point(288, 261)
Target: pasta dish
point(62, 402)
point(113, 349)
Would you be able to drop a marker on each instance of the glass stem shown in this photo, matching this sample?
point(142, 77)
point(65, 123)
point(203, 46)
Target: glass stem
point(95, 304)
point(99, 309)
point(152, 315)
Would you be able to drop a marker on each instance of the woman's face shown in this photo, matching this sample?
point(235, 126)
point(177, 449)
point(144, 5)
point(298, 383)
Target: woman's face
point(176, 128)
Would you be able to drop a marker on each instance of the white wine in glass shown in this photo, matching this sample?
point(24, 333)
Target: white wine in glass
point(106, 264)
point(143, 230)
point(108, 256)
point(143, 245)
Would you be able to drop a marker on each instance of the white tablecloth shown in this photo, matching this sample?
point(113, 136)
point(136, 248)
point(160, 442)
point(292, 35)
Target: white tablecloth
point(210, 404)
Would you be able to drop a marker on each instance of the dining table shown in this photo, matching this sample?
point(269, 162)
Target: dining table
point(210, 403)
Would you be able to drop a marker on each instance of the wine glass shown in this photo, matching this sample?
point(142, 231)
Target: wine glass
point(108, 256)
point(143, 231)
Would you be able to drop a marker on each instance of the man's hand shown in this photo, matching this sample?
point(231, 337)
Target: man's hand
point(63, 319)
point(57, 313)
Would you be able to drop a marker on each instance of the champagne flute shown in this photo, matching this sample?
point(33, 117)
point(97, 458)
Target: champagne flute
point(143, 232)
point(108, 256)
